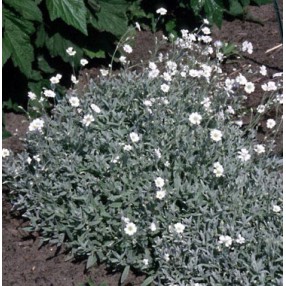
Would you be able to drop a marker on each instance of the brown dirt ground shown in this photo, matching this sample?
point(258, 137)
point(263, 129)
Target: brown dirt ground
point(24, 263)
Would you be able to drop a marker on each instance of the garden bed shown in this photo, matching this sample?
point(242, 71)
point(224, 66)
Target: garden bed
point(24, 263)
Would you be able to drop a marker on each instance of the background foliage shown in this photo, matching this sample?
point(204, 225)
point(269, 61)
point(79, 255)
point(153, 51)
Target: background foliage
point(37, 32)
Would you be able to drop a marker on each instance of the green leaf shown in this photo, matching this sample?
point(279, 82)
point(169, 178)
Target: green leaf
point(111, 17)
point(147, 281)
point(41, 37)
point(99, 54)
point(124, 274)
point(197, 6)
point(17, 38)
point(235, 8)
point(28, 9)
point(6, 51)
point(73, 12)
point(91, 261)
point(44, 65)
point(171, 26)
point(214, 12)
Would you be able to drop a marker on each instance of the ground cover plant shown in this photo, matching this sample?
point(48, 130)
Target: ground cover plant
point(153, 171)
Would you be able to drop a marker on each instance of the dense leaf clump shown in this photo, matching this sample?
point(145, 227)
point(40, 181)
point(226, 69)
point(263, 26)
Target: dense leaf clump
point(153, 171)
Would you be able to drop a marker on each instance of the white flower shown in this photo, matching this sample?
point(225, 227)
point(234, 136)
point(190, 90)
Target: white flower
point(127, 148)
point(216, 135)
point(247, 47)
point(158, 153)
point(279, 98)
point(167, 77)
point(269, 86)
point(74, 101)
point(32, 95)
point(270, 123)
point(134, 137)
point(278, 74)
point(230, 110)
point(70, 51)
point(179, 227)
point(122, 59)
point(167, 256)
point(104, 72)
point(226, 240)
point(29, 160)
point(263, 70)
point(49, 93)
point(147, 103)
point(218, 44)
point(259, 148)
point(161, 11)
point(240, 239)
point(167, 164)
point(87, 119)
point(260, 108)
point(37, 158)
point(5, 153)
point(229, 84)
point(153, 226)
point(206, 21)
point(145, 261)
point(83, 62)
point(55, 79)
point(243, 155)
point(137, 26)
point(115, 160)
point(165, 87)
point(130, 228)
point(74, 80)
point(95, 108)
point(127, 48)
point(153, 73)
point(249, 87)
point(183, 74)
point(241, 79)
point(125, 219)
point(220, 56)
point(218, 169)
point(36, 125)
point(152, 66)
point(195, 118)
point(159, 182)
point(160, 194)
point(194, 73)
point(276, 209)
point(206, 30)
point(239, 123)
point(206, 39)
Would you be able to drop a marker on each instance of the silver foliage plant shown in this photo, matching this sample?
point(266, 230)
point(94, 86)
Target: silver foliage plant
point(153, 170)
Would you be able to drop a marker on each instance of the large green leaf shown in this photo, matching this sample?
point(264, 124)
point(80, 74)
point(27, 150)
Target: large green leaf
point(6, 51)
point(57, 46)
point(111, 16)
point(27, 8)
point(17, 38)
point(73, 12)
point(41, 37)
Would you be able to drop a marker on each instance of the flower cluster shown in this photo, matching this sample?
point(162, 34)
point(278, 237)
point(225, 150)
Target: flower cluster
point(154, 170)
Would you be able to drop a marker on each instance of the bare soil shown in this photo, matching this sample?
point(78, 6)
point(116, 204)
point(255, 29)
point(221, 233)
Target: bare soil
point(24, 263)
